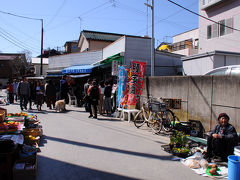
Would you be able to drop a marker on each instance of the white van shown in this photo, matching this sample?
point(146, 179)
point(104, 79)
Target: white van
point(225, 70)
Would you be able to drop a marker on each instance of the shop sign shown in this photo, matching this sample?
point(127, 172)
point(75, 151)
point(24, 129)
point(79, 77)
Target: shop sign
point(114, 68)
point(136, 83)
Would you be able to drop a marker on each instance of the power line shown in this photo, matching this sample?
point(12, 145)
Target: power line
point(58, 10)
point(25, 17)
point(15, 43)
point(203, 16)
point(8, 35)
point(81, 15)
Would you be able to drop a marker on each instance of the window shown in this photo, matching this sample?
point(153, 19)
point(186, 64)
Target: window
point(209, 31)
point(229, 23)
point(218, 72)
point(221, 27)
point(216, 30)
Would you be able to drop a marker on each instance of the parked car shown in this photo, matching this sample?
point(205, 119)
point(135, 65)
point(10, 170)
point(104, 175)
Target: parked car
point(225, 70)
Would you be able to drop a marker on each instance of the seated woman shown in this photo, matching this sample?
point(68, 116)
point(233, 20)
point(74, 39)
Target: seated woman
point(221, 142)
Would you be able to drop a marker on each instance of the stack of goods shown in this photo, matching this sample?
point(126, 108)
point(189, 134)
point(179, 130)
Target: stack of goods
point(20, 132)
point(178, 144)
point(26, 164)
point(32, 131)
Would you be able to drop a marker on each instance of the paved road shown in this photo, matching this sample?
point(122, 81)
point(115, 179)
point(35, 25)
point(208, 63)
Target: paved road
point(76, 147)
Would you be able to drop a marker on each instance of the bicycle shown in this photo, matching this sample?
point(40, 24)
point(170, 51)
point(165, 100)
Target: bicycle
point(149, 115)
point(156, 115)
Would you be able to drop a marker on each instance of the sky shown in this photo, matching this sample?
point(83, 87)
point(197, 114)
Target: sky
point(63, 21)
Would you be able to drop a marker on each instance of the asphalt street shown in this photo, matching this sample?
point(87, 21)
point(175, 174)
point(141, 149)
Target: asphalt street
point(76, 147)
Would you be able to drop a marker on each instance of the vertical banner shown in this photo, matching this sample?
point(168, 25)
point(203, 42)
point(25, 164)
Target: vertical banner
point(122, 81)
point(124, 100)
point(136, 83)
point(114, 68)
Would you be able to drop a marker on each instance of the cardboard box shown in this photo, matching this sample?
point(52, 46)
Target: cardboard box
point(24, 171)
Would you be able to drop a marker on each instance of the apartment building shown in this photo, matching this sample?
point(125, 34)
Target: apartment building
point(219, 37)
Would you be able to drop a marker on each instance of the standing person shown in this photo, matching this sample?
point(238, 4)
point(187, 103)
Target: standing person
point(51, 94)
point(94, 93)
point(107, 105)
point(64, 89)
point(39, 95)
point(32, 94)
point(86, 96)
point(23, 92)
point(15, 85)
point(10, 92)
point(100, 106)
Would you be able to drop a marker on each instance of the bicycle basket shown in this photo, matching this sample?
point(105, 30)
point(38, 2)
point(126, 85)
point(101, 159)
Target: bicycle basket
point(155, 106)
point(163, 106)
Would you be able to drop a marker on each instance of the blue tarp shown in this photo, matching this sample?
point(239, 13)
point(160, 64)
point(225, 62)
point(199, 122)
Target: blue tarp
point(83, 69)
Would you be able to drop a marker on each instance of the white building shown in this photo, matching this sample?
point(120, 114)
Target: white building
point(36, 62)
point(218, 42)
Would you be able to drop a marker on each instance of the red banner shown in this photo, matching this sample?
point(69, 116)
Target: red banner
point(136, 83)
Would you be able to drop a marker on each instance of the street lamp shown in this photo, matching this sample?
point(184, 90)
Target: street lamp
point(152, 41)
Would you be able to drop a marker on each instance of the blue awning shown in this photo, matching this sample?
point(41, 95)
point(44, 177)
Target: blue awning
point(84, 69)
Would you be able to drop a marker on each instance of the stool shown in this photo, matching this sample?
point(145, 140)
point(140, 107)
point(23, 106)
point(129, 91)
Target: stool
point(129, 111)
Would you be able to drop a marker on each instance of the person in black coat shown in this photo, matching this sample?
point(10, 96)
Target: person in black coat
point(222, 139)
point(51, 94)
point(64, 89)
point(94, 94)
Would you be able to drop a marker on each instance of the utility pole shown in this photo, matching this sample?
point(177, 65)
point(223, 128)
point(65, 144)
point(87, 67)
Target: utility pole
point(152, 41)
point(41, 66)
point(147, 20)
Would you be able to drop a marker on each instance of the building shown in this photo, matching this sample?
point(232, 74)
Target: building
point(94, 40)
point(36, 62)
point(186, 43)
point(71, 47)
point(101, 51)
point(12, 66)
point(218, 40)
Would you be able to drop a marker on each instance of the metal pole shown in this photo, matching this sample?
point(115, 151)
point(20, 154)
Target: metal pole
point(153, 46)
point(41, 66)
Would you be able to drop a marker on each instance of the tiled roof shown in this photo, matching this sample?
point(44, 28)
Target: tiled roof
point(103, 36)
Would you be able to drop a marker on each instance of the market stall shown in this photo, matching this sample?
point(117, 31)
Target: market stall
point(20, 135)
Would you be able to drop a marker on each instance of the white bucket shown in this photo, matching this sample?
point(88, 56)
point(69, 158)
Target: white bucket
point(237, 150)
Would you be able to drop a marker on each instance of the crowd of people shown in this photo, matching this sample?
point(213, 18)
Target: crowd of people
point(29, 92)
point(97, 97)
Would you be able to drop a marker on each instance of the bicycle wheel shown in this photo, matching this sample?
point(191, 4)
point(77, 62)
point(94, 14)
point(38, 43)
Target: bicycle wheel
point(139, 119)
point(168, 120)
point(155, 123)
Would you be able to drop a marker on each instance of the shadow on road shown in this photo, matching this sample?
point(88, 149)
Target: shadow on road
point(49, 168)
point(109, 149)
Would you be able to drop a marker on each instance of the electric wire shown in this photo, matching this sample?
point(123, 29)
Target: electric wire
point(57, 12)
point(227, 42)
point(203, 16)
point(8, 35)
point(75, 18)
point(19, 15)
point(21, 47)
